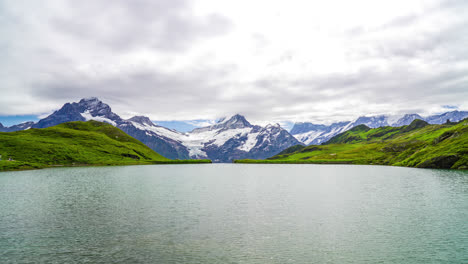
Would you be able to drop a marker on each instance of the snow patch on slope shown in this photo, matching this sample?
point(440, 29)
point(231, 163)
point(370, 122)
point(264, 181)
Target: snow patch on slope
point(193, 145)
point(196, 141)
point(87, 115)
point(308, 137)
point(392, 119)
point(172, 134)
point(249, 143)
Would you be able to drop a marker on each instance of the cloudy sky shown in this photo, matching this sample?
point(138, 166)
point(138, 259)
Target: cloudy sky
point(272, 60)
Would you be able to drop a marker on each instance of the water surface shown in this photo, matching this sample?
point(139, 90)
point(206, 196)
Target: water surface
point(234, 213)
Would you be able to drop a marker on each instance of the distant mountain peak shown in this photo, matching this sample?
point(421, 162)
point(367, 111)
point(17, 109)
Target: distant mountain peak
point(85, 109)
point(144, 120)
point(372, 121)
point(18, 127)
point(93, 103)
point(237, 121)
point(220, 120)
point(92, 98)
point(406, 120)
point(275, 125)
point(234, 122)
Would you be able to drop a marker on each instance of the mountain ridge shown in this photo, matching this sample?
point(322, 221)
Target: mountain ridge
point(242, 138)
point(223, 141)
point(419, 144)
point(316, 134)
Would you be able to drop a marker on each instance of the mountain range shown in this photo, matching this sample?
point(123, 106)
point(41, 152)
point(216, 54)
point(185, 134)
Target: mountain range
point(418, 144)
point(316, 134)
point(225, 140)
point(18, 127)
point(228, 139)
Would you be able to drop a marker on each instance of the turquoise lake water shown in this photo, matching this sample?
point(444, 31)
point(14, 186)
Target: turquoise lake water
point(234, 213)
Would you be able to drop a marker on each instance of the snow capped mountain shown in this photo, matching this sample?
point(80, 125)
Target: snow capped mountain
point(235, 122)
point(315, 134)
point(22, 126)
point(300, 128)
point(160, 139)
point(311, 134)
point(406, 120)
point(453, 116)
point(86, 109)
point(371, 121)
point(228, 139)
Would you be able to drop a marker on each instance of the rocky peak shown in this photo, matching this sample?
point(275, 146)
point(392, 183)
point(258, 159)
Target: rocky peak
point(85, 109)
point(97, 109)
point(408, 116)
point(273, 126)
point(302, 127)
point(371, 121)
point(454, 116)
point(94, 105)
point(26, 124)
point(141, 120)
point(90, 100)
point(235, 122)
point(17, 127)
point(406, 120)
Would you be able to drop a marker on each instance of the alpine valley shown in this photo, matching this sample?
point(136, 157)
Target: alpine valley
point(418, 144)
point(316, 134)
point(228, 139)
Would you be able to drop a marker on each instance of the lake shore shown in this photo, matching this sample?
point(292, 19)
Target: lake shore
point(14, 165)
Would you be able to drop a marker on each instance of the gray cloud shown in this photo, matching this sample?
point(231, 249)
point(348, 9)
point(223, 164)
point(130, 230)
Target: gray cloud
point(60, 51)
point(121, 25)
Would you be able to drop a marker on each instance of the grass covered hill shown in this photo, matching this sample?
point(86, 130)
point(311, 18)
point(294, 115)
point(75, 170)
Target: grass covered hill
point(74, 144)
point(416, 145)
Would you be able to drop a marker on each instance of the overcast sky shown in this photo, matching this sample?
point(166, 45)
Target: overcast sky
point(308, 60)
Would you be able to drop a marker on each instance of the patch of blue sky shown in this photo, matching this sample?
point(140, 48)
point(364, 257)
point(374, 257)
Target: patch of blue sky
point(17, 119)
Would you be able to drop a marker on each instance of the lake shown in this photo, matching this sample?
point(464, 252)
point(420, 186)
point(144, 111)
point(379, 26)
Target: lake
point(234, 213)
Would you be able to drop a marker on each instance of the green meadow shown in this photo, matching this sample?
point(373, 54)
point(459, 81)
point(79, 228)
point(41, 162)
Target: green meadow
point(78, 143)
point(416, 145)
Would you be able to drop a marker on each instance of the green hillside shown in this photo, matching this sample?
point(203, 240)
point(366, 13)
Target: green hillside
point(416, 145)
point(76, 144)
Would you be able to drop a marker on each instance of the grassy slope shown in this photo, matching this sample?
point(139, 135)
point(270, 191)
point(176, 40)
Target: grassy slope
point(76, 143)
point(415, 145)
